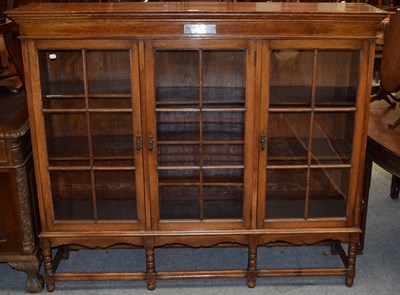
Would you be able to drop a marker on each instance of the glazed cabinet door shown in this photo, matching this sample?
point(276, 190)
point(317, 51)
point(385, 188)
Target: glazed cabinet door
point(200, 113)
point(311, 132)
point(89, 134)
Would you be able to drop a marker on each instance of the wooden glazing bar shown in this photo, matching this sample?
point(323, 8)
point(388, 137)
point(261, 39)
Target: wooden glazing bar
point(85, 168)
point(195, 142)
point(208, 102)
point(202, 274)
point(161, 183)
point(301, 272)
point(80, 110)
point(185, 109)
point(310, 134)
point(100, 95)
point(181, 110)
point(100, 276)
point(335, 110)
point(309, 110)
point(90, 110)
point(198, 167)
point(223, 109)
point(325, 166)
point(89, 134)
point(86, 158)
point(201, 121)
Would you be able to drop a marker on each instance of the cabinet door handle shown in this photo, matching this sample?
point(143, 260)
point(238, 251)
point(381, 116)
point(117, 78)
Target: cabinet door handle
point(151, 142)
point(262, 141)
point(138, 142)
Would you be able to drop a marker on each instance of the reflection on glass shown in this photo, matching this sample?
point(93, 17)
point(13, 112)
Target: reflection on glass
point(223, 201)
point(179, 202)
point(328, 192)
point(337, 77)
point(224, 77)
point(178, 126)
point(109, 78)
point(223, 126)
point(177, 77)
point(285, 193)
point(61, 75)
point(178, 155)
point(115, 195)
point(291, 77)
point(200, 112)
point(66, 136)
point(174, 176)
point(111, 135)
point(223, 154)
point(332, 138)
point(72, 195)
point(288, 136)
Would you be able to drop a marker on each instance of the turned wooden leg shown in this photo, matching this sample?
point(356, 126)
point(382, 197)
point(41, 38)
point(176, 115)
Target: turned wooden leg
point(252, 263)
point(395, 187)
point(351, 262)
point(150, 265)
point(34, 282)
point(48, 267)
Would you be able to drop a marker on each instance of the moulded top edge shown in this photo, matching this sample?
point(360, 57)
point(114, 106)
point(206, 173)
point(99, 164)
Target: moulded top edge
point(71, 11)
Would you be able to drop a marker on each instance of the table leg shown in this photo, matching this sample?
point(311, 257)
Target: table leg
point(395, 187)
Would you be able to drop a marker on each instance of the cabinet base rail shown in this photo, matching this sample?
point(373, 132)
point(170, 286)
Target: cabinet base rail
point(151, 275)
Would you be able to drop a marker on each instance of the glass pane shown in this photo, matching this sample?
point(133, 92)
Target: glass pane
point(177, 77)
point(178, 176)
point(332, 138)
point(285, 193)
point(66, 138)
point(288, 137)
point(179, 202)
point(179, 194)
point(61, 75)
point(109, 78)
point(328, 192)
point(223, 201)
point(115, 195)
point(226, 125)
point(72, 195)
point(224, 78)
point(223, 154)
point(112, 136)
point(337, 77)
point(178, 155)
point(178, 126)
point(291, 77)
point(223, 193)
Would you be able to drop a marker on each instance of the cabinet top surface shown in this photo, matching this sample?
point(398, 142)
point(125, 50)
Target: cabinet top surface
point(52, 11)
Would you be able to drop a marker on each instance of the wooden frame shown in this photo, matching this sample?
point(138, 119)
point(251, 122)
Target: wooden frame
point(344, 31)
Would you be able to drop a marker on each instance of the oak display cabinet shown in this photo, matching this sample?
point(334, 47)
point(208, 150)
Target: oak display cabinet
point(198, 124)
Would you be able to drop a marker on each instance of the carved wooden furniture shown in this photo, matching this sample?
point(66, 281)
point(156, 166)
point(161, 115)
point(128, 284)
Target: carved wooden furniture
point(198, 124)
point(390, 62)
point(382, 148)
point(18, 218)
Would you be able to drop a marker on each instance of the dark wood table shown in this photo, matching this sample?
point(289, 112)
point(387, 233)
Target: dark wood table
point(383, 148)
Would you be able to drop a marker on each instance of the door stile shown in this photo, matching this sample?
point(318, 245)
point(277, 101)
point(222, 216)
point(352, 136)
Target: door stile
point(262, 145)
point(148, 105)
point(137, 123)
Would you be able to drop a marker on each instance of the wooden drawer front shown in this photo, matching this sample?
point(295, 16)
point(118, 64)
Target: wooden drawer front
point(3, 154)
